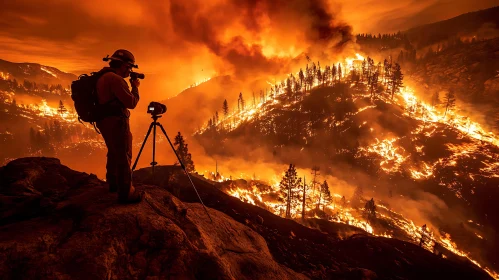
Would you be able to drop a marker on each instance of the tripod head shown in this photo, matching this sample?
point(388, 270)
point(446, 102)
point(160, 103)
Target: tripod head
point(156, 117)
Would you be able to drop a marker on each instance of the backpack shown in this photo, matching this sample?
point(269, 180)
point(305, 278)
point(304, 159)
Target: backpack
point(84, 95)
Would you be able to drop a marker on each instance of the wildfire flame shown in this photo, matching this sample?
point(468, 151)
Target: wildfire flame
point(393, 157)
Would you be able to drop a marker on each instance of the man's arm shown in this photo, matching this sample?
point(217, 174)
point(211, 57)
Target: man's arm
point(120, 89)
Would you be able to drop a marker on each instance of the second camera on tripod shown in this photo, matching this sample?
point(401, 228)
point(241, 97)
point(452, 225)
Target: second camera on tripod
point(156, 108)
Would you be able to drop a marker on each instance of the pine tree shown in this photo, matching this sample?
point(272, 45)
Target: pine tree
point(289, 188)
point(288, 86)
point(304, 200)
point(301, 77)
point(373, 83)
point(216, 117)
point(334, 71)
point(181, 148)
point(339, 72)
point(225, 108)
point(396, 79)
point(319, 77)
point(327, 73)
point(326, 195)
point(370, 209)
point(241, 101)
point(450, 101)
point(364, 69)
point(62, 109)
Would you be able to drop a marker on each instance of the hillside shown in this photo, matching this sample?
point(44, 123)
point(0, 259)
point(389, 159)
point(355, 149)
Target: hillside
point(480, 24)
point(402, 147)
point(77, 231)
point(35, 72)
point(471, 69)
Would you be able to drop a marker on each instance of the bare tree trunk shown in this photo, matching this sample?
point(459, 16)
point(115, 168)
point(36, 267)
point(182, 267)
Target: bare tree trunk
point(303, 204)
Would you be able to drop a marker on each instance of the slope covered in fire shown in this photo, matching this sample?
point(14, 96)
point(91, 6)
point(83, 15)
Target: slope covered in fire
point(381, 138)
point(37, 116)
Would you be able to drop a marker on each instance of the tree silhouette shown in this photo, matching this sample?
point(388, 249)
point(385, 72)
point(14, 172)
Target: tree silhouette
point(339, 72)
point(373, 83)
point(326, 195)
point(183, 152)
point(289, 188)
point(333, 73)
point(450, 101)
point(370, 209)
point(301, 76)
point(225, 108)
point(240, 101)
point(61, 109)
point(397, 77)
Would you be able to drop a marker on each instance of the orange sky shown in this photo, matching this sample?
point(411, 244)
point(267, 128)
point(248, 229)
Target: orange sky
point(185, 41)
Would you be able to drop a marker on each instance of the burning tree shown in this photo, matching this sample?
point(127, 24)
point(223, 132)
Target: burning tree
point(240, 102)
point(225, 108)
point(373, 83)
point(289, 188)
point(62, 109)
point(301, 76)
point(370, 209)
point(324, 195)
point(183, 153)
point(450, 101)
point(396, 79)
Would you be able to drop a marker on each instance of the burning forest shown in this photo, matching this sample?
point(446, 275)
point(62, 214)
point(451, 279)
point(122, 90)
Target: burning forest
point(337, 113)
point(318, 143)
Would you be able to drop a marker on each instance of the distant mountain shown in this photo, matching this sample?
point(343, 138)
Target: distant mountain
point(35, 72)
point(483, 23)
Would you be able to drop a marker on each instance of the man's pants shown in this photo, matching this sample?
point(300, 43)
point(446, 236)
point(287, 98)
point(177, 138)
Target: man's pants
point(118, 138)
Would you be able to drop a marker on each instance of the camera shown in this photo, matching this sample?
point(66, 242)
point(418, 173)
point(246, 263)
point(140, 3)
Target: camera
point(156, 108)
point(135, 75)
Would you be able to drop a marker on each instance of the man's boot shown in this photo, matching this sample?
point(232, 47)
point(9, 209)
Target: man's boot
point(134, 196)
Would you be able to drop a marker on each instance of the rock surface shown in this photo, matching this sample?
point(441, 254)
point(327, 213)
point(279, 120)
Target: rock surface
point(57, 223)
point(63, 225)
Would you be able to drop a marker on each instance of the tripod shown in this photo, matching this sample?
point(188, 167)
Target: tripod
point(153, 125)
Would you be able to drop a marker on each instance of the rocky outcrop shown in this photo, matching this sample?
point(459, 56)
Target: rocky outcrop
point(57, 223)
point(64, 225)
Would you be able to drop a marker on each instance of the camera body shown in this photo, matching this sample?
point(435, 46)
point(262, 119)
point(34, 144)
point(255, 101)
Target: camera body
point(156, 108)
point(135, 75)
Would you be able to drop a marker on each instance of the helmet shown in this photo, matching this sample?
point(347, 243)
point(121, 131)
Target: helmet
point(125, 56)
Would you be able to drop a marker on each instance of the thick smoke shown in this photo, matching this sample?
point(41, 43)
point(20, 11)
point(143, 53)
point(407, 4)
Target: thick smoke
point(253, 36)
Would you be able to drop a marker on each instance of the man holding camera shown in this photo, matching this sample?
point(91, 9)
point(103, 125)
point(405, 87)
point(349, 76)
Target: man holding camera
point(113, 91)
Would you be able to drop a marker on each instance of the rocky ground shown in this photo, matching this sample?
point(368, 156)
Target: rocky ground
point(57, 223)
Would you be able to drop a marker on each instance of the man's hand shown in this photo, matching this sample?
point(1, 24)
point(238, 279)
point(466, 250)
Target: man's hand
point(135, 83)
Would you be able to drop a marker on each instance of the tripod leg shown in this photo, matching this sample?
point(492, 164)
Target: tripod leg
point(185, 170)
point(153, 163)
point(141, 148)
